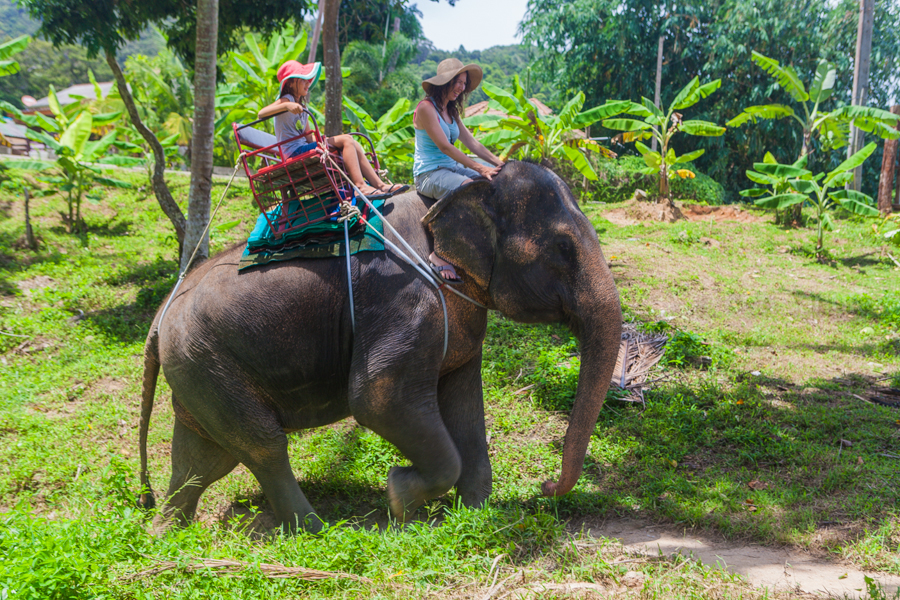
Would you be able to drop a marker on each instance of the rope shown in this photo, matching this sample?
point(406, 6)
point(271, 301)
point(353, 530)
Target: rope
point(349, 275)
point(418, 267)
point(187, 266)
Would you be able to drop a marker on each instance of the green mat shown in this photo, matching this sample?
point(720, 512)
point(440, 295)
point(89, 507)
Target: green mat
point(362, 242)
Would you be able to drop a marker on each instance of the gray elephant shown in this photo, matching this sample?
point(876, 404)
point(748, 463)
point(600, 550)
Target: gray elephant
point(254, 355)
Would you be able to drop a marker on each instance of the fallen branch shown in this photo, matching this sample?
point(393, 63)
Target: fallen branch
point(14, 334)
point(235, 568)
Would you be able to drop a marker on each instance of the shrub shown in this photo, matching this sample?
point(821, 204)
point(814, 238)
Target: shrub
point(619, 178)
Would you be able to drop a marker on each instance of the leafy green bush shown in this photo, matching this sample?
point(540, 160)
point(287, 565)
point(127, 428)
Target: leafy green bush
point(619, 178)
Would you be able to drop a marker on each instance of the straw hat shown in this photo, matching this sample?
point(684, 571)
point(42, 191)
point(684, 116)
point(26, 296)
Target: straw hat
point(450, 68)
point(293, 69)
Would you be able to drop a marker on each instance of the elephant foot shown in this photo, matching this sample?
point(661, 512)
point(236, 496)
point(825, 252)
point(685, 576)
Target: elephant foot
point(310, 523)
point(401, 497)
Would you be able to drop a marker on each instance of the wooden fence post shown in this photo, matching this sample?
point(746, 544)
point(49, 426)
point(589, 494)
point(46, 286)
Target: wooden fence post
point(888, 164)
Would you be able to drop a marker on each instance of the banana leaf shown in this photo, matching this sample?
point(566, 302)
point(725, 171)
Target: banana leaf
point(781, 201)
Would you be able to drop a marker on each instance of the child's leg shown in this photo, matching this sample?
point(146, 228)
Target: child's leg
point(362, 169)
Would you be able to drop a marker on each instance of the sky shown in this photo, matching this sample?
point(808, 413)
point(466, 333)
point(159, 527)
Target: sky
point(475, 24)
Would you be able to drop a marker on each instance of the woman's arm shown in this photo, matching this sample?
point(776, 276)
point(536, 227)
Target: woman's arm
point(477, 148)
point(428, 119)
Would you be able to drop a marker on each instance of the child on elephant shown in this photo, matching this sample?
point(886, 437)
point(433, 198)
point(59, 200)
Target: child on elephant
point(291, 121)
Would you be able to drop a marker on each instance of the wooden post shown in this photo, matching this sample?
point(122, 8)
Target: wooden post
point(861, 79)
point(657, 100)
point(29, 232)
point(888, 163)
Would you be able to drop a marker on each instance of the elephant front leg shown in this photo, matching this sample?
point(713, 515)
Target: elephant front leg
point(461, 402)
point(405, 412)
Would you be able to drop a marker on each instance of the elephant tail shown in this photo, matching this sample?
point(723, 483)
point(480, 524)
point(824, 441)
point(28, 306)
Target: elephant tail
point(146, 499)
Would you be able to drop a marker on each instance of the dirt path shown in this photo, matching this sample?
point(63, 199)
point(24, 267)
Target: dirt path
point(781, 569)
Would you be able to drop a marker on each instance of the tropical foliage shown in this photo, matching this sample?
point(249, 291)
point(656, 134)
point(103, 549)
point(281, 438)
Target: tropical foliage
point(662, 126)
point(525, 133)
point(68, 135)
point(793, 185)
point(392, 134)
point(163, 90)
point(830, 128)
point(607, 49)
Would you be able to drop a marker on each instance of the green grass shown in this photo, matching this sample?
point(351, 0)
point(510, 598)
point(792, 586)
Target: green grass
point(818, 334)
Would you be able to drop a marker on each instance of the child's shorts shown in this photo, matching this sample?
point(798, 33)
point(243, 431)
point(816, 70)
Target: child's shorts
point(302, 149)
point(443, 180)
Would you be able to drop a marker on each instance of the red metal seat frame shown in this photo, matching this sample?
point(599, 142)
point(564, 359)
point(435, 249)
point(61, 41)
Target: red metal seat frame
point(309, 178)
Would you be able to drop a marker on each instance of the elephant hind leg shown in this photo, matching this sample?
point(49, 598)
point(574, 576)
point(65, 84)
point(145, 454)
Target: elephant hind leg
point(196, 464)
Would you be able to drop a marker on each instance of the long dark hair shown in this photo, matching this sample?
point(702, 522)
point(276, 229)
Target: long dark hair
point(454, 107)
point(288, 88)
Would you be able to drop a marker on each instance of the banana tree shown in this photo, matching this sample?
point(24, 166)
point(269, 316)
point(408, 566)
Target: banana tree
point(75, 152)
point(663, 126)
point(793, 185)
point(525, 133)
point(831, 127)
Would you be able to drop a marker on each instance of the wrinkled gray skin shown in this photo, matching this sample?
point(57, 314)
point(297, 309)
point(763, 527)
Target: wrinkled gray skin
point(252, 356)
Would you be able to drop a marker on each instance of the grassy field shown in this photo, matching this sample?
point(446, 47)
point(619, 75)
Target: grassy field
point(773, 357)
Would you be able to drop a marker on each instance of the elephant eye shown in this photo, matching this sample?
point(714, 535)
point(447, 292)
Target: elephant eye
point(563, 247)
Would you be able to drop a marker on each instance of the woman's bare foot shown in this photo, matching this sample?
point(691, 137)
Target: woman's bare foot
point(368, 190)
point(444, 269)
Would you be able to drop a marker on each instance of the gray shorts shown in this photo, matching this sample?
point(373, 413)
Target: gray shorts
point(443, 180)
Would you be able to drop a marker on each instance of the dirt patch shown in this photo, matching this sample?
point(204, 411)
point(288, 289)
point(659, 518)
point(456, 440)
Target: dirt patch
point(634, 212)
point(699, 212)
point(36, 283)
point(779, 569)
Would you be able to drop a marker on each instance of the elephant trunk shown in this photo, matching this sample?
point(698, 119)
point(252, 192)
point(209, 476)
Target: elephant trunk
point(599, 327)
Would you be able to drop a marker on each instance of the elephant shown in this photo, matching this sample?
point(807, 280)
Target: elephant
point(253, 355)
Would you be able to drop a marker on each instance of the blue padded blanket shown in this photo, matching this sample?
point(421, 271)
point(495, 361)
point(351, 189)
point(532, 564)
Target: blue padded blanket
point(306, 243)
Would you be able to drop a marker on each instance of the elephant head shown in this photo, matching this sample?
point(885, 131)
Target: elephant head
point(523, 243)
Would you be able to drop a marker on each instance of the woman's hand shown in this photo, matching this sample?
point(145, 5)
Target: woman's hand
point(486, 171)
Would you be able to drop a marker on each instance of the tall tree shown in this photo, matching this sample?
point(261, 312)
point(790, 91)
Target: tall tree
point(333, 77)
point(861, 78)
point(196, 233)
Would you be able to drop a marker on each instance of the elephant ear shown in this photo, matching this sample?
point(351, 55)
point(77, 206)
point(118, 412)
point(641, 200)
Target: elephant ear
point(464, 227)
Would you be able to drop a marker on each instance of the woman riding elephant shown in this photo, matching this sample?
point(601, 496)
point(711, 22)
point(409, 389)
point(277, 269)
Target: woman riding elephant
point(439, 167)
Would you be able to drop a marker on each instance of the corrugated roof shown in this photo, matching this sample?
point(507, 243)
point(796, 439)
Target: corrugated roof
point(12, 130)
point(84, 90)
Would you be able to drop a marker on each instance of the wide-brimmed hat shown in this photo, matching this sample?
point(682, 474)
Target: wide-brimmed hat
point(450, 68)
point(293, 69)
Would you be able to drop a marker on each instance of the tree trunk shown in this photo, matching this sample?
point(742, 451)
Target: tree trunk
point(157, 174)
point(657, 98)
point(861, 79)
point(888, 162)
point(203, 132)
point(317, 31)
point(333, 82)
point(30, 240)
